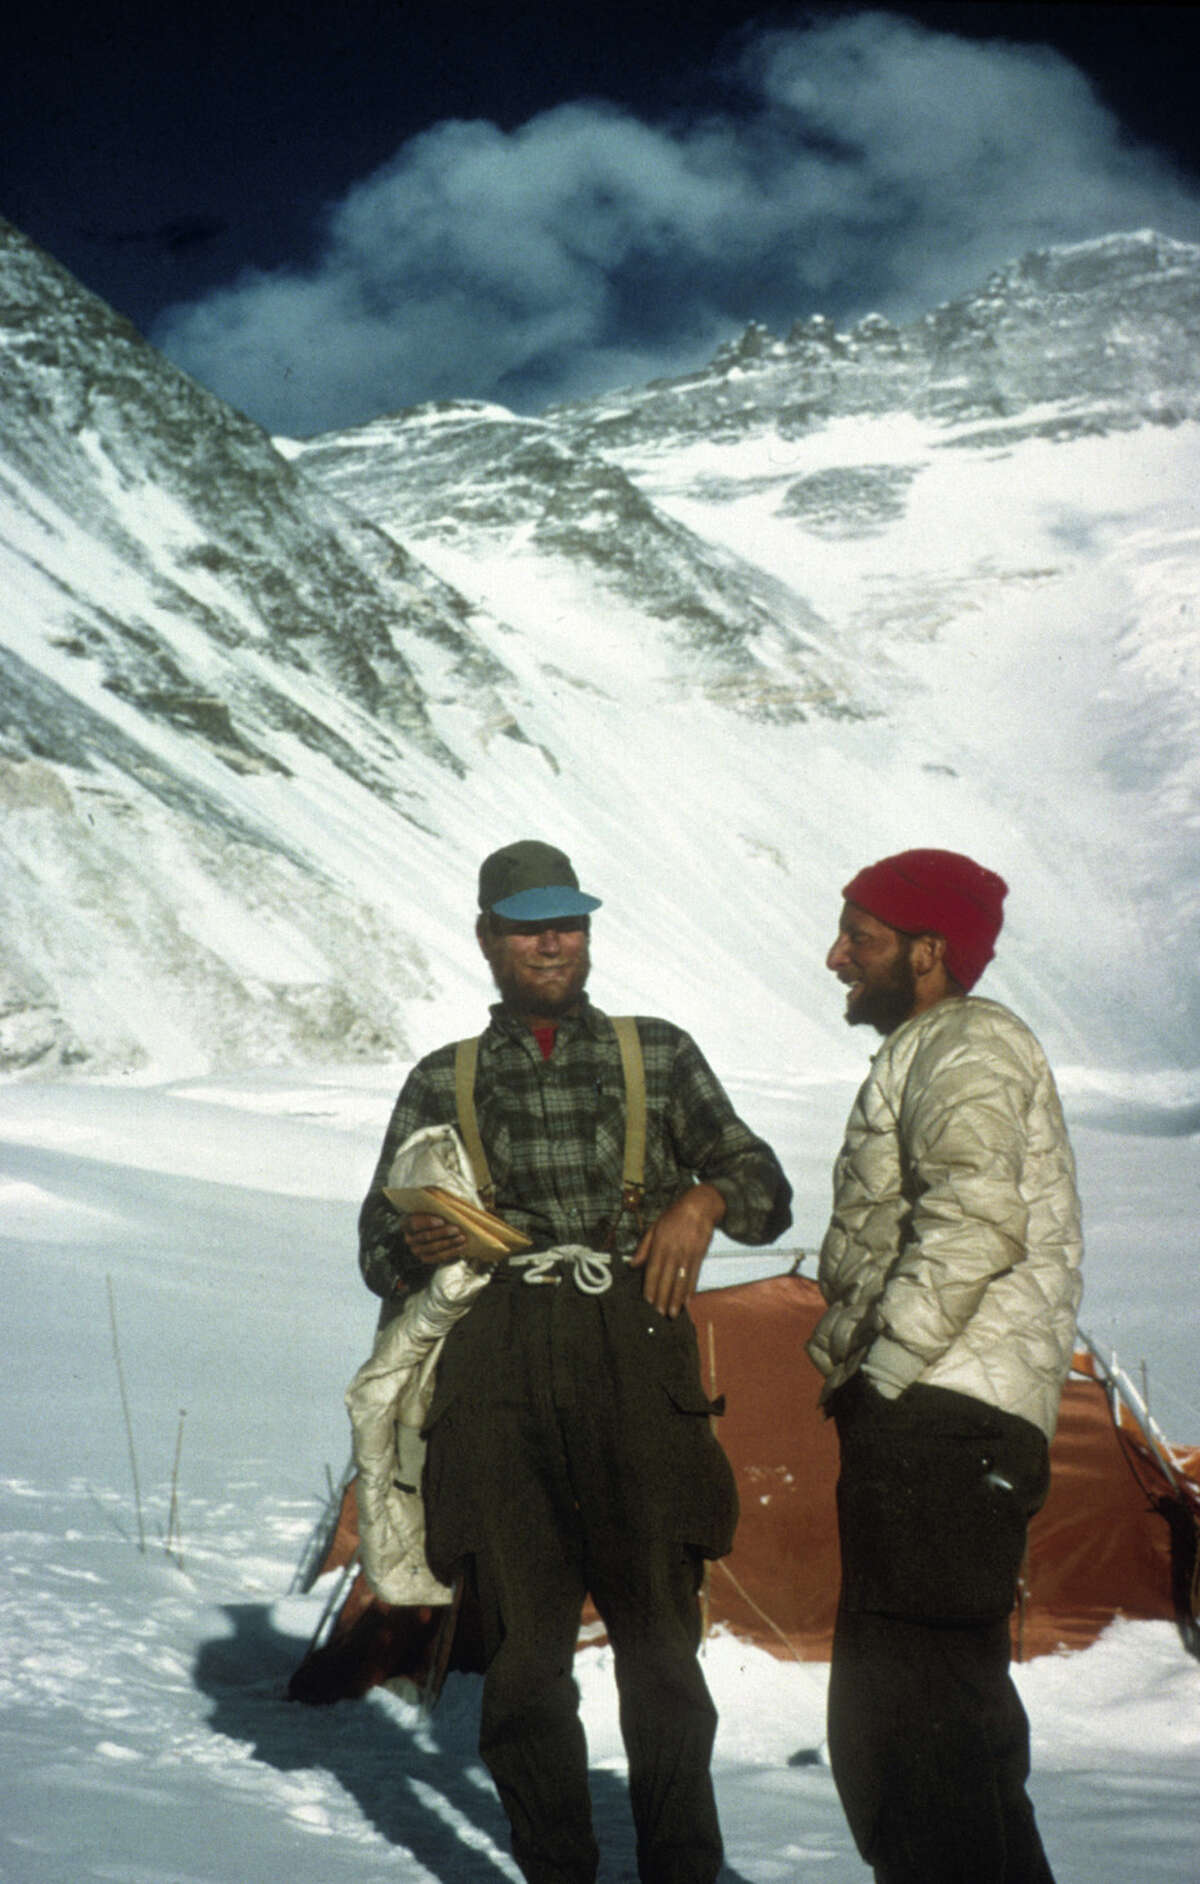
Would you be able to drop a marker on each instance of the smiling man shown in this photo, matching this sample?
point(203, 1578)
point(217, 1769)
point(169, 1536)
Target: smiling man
point(951, 1273)
point(570, 1442)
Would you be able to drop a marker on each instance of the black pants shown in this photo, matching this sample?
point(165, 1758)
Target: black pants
point(566, 1470)
point(927, 1736)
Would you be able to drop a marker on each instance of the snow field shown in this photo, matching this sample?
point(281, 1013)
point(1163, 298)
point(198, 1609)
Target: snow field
point(144, 1733)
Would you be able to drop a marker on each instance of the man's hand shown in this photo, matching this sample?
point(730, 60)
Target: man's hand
point(432, 1239)
point(674, 1247)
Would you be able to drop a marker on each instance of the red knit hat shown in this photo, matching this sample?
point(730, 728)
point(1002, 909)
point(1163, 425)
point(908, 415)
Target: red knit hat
point(937, 892)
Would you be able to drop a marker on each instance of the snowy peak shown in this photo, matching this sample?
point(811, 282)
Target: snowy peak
point(1096, 337)
point(1104, 331)
point(191, 629)
point(192, 503)
point(263, 706)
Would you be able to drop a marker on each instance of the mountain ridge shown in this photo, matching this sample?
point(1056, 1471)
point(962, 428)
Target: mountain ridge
point(266, 702)
point(1123, 309)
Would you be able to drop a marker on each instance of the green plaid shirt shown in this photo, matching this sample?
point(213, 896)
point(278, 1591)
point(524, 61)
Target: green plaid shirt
point(554, 1133)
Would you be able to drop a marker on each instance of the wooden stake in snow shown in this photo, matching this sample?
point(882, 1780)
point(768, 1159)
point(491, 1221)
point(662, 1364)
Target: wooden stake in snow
point(137, 1490)
point(174, 1527)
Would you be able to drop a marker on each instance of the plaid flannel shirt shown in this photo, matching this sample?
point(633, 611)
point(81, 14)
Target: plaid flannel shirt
point(554, 1133)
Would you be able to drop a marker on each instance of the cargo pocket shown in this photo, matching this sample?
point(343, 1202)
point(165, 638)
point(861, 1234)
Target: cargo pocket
point(700, 1488)
point(934, 1501)
point(676, 1483)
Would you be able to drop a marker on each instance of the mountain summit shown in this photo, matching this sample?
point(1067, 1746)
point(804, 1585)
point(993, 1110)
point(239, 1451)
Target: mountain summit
point(1100, 336)
point(725, 637)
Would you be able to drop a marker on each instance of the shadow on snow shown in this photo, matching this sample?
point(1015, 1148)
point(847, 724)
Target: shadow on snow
point(422, 1787)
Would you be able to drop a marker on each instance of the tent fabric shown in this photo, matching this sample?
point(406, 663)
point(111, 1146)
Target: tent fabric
point(1102, 1546)
point(1117, 1536)
point(1109, 1539)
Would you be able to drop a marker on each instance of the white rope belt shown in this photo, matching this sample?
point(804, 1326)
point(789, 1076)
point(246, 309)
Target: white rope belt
point(591, 1268)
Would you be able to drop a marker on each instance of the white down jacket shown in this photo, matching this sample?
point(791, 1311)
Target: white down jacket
point(387, 1402)
point(390, 1394)
point(954, 1248)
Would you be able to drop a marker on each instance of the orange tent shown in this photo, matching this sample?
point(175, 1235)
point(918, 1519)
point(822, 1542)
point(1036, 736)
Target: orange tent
point(1117, 1536)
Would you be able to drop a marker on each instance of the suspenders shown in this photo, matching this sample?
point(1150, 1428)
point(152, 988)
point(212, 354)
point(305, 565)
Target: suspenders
point(633, 1175)
point(466, 1060)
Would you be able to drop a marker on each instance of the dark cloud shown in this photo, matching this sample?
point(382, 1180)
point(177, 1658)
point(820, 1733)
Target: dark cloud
point(871, 163)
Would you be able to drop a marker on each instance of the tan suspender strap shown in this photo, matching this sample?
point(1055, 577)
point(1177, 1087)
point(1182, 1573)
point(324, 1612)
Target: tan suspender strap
point(466, 1059)
point(633, 1176)
point(633, 1067)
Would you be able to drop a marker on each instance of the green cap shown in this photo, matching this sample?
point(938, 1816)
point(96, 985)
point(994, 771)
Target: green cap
point(532, 882)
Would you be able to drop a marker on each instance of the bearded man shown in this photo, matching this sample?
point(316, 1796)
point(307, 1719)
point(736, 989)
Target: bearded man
point(570, 1444)
point(951, 1273)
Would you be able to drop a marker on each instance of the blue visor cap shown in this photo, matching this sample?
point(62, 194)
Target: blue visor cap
point(544, 903)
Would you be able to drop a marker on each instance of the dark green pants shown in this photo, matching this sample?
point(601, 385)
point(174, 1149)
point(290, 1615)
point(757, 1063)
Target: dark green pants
point(570, 1452)
point(927, 1736)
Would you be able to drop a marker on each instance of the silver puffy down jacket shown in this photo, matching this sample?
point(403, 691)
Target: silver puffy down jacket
point(387, 1402)
point(390, 1395)
point(954, 1249)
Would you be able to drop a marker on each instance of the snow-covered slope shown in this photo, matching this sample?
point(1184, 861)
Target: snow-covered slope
point(144, 1733)
point(976, 544)
point(726, 638)
point(212, 724)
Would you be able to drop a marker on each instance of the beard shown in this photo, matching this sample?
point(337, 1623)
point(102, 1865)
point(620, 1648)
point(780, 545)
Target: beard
point(533, 995)
point(887, 1000)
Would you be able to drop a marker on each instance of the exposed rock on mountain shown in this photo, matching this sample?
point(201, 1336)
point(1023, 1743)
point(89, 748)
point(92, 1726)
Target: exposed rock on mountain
point(190, 502)
point(185, 618)
point(264, 704)
point(1098, 337)
point(475, 482)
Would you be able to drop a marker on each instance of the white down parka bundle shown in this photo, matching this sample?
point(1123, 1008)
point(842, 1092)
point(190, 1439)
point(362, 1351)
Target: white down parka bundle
point(387, 1402)
point(390, 1395)
point(954, 1249)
